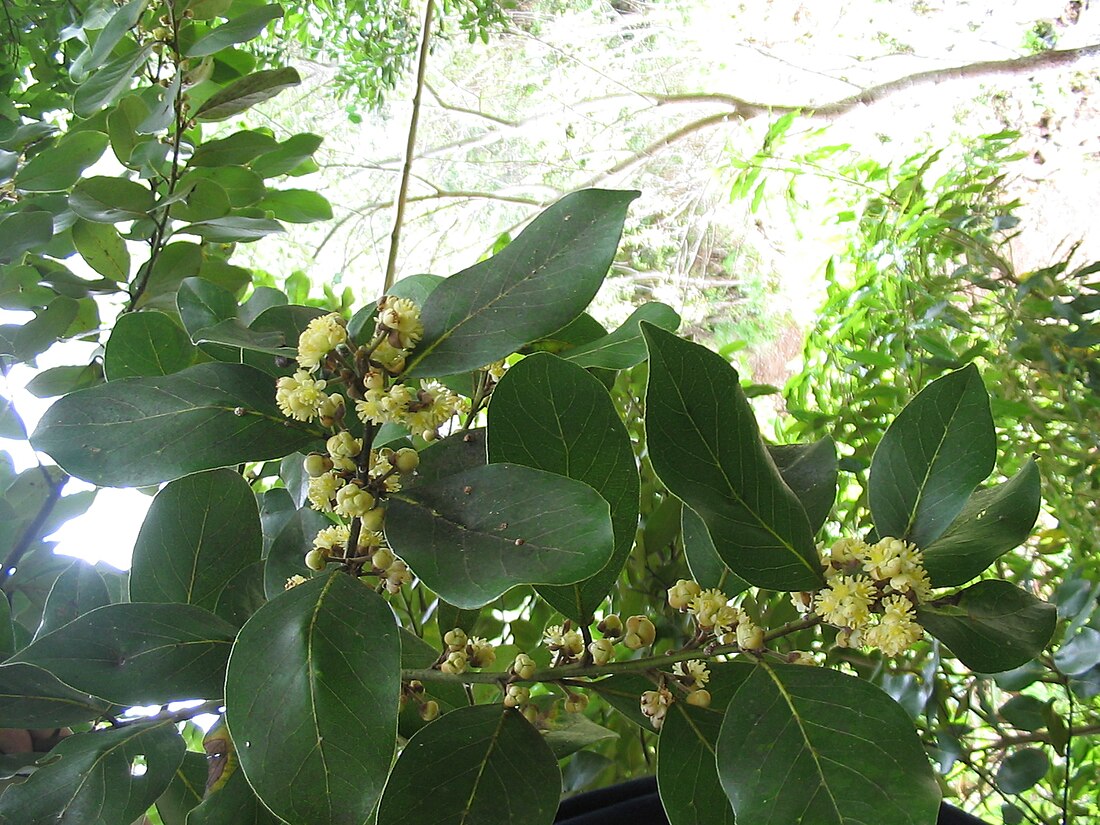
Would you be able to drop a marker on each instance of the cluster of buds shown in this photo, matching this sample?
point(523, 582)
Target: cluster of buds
point(464, 652)
point(655, 705)
point(715, 616)
point(429, 708)
point(871, 594)
point(568, 644)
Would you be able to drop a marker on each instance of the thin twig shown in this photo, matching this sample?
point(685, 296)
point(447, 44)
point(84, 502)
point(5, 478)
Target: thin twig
point(410, 146)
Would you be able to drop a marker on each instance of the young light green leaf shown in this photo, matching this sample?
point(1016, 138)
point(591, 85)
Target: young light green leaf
point(938, 449)
point(311, 700)
point(77, 591)
point(992, 522)
point(238, 29)
point(552, 415)
point(243, 94)
point(473, 536)
point(706, 449)
point(991, 626)
point(625, 347)
point(128, 433)
point(110, 200)
point(806, 744)
point(59, 167)
point(478, 761)
point(138, 654)
point(145, 344)
point(103, 249)
point(89, 778)
point(31, 697)
point(536, 285)
point(201, 531)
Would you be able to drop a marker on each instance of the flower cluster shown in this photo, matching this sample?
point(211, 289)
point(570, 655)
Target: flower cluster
point(464, 652)
point(871, 593)
point(568, 644)
point(693, 676)
point(714, 615)
point(655, 705)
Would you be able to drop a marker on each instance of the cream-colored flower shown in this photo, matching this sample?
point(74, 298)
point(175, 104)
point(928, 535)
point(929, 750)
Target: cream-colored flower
point(602, 651)
point(299, 396)
point(330, 538)
point(480, 652)
point(640, 632)
point(693, 674)
point(323, 489)
point(749, 635)
point(896, 630)
point(705, 606)
point(433, 406)
point(397, 575)
point(353, 501)
point(320, 337)
point(294, 581)
point(400, 316)
point(558, 638)
point(655, 705)
point(846, 602)
point(681, 594)
point(384, 406)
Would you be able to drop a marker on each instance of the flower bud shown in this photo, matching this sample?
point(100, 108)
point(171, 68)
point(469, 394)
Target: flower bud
point(602, 651)
point(750, 636)
point(315, 560)
point(517, 696)
point(406, 459)
point(681, 594)
point(429, 710)
point(455, 663)
point(456, 639)
point(524, 666)
point(531, 714)
point(352, 500)
point(640, 632)
point(480, 652)
point(373, 519)
point(576, 703)
point(655, 704)
point(611, 626)
point(699, 698)
point(316, 465)
point(382, 558)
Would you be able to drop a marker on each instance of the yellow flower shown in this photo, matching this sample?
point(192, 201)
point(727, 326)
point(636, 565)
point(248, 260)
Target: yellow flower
point(705, 606)
point(402, 318)
point(353, 501)
point(299, 396)
point(433, 406)
point(693, 674)
point(322, 490)
point(681, 594)
point(329, 538)
point(320, 337)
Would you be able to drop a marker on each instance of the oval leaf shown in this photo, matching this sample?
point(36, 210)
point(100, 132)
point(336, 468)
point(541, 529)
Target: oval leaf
point(705, 447)
point(991, 626)
point(144, 344)
point(31, 697)
point(625, 347)
point(706, 566)
point(138, 654)
point(243, 94)
point(552, 415)
point(200, 532)
point(938, 449)
point(110, 200)
point(77, 591)
point(311, 700)
point(534, 286)
point(805, 744)
point(478, 762)
point(1021, 770)
point(473, 536)
point(129, 433)
point(241, 28)
point(810, 470)
point(103, 249)
point(991, 523)
point(59, 167)
point(88, 779)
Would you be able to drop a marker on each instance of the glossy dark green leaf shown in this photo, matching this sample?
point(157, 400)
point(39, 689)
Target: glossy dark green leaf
point(238, 29)
point(144, 344)
point(20, 287)
point(706, 448)
point(131, 433)
point(687, 777)
point(537, 284)
point(991, 626)
point(297, 205)
point(242, 595)
point(287, 555)
point(77, 591)
point(138, 654)
point(233, 229)
point(202, 200)
point(938, 449)
point(810, 470)
point(625, 347)
point(59, 167)
point(234, 803)
point(31, 697)
point(185, 791)
point(200, 532)
point(122, 123)
point(287, 156)
point(415, 654)
point(49, 326)
point(1024, 712)
point(451, 455)
point(238, 148)
point(478, 762)
point(311, 699)
point(416, 288)
point(1079, 653)
point(1021, 770)
point(88, 779)
point(566, 733)
point(109, 82)
point(706, 566)
point(243, 94)
point(63, 380)
point(122, 20)
point(243, 186)
point(202, 304)
point(806, 744)
point(473, 536)
point(552, 415)
point(992, 522)
point(232, 333)
point(23, 231)
point(101, 247)
point(110, 200)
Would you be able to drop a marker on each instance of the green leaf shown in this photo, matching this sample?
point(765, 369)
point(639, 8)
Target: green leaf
point(59, 167)
point(536, 285)
point(687, 778)
point(11, 425)
point(138, 654)
point(416, 288)
point(101, 247)
point(243, 186)
point(566, 733)
point(238, 29)
point(200, 532)
point(88, 779)
point(287, 555)
point(22, 231)
point(104, 87)
point(938, 449)
point(203, 304)
point(477, 762)
point(234, 803)
point(450, 456)
point(706, 566)
point(201, 200)
point(1079, 653)
point(285, 157)
point(31, 697)
point(810, 470)
point(128, 433)
point(233, 229)
point(552, 415)
point(297, 205)
point(232, 333)
point(243, 94)
point(77, 591)
point(806, 744)
point(122, 125)
point(110, 200)
point(146, 344)
point(63, 380)
point(625, 347)
point(242, 595)
point(238, 148)
point(311, 700)
point(990, 626)
point(706, 449)
point(122, 20)
point(473, 536)
point(416, 654)
point(1021, 770)
point(48, 327)
point(185, 791)
point(992, 522)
